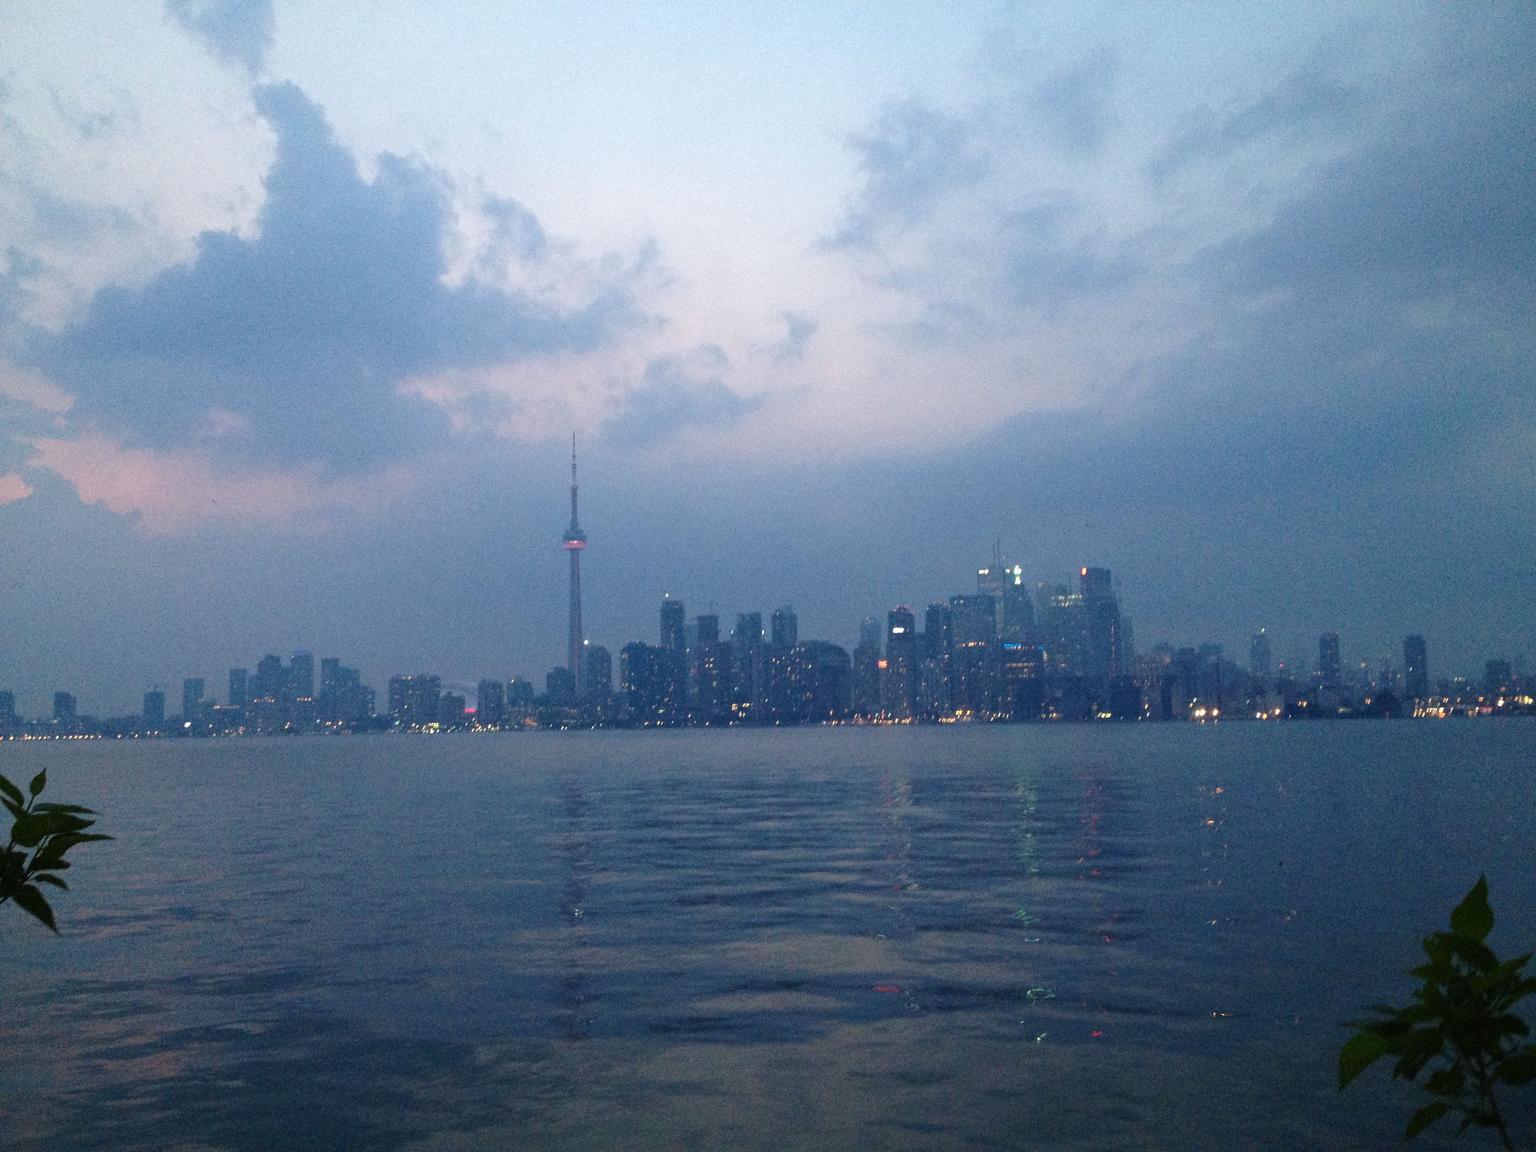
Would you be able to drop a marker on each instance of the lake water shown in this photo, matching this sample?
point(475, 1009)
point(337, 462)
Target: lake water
point(1053, 937)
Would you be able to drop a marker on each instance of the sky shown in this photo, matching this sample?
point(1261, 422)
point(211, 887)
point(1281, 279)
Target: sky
point(300, 305)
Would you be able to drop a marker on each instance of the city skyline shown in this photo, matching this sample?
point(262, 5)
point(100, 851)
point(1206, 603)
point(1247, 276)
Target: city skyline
point(296, 321)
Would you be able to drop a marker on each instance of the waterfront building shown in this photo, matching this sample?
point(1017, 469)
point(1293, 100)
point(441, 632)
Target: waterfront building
point(674, 662)
point(153, 716)
point(239, 687)
point(1330, 670)
point(414, 701)
point(490, 703)
point(1415, 668)
point(898, 679)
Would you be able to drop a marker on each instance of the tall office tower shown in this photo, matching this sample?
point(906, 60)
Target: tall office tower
point(1498, 677)
point(674, 662)
point(1329, 670)
point(1415, 667)
point(898, 682)
point(973, 653)
point(786, 627)
point(870, 632)
point(1101, 626)
point(597, 669)
point(1059, 616)
point(154, 711)
point(673, 624)
point(7, 710)
point(239, 687)
point(1259, 661)
point(749, 671)
point(520, 694)
point(191, 698)
point(301, 675)
point(270, 680)
point(641, 684)
point(415, 700)
point(711, 671)
point(450, 710)
point(933, 660)
point(490, 703)
point(818, 683)
point(64, 711)
point(867, 667)
point(575, 542)
point(1017, 623)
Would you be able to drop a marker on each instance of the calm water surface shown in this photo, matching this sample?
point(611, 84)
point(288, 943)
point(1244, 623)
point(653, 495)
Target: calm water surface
point(1011, 937)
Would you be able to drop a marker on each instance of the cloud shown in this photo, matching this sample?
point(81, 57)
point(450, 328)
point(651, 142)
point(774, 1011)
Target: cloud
point(239, 31)
point(13, 488)
point(1307, 102)
point(1073, 103)
point(33, 389)
point(306, 330)
point(675, 393)
point(799, 329)
point(173, 493)
point(1044, 262)
point(909, 160)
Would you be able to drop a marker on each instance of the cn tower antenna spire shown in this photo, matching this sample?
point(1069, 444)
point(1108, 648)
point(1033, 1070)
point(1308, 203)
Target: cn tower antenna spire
point(575, 542)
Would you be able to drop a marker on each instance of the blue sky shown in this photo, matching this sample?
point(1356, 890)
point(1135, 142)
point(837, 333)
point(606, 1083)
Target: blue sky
point(299, 305)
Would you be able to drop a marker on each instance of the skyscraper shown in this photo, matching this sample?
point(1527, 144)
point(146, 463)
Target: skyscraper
point(574, 543)
point(1259, 660)
point(154, 710)
point(1415, 667)
point(673, 660)
point(898, 683)
point(239, 687)
point(786, 627)
point(1101, 626)
point(192, 699)
point(1329, 669)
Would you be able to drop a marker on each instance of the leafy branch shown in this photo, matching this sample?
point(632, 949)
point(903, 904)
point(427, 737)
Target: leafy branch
point(1460, 1025)
point(40, 837)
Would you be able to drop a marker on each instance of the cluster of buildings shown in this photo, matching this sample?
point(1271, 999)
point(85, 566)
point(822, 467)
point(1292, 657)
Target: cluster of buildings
point(1011, 650)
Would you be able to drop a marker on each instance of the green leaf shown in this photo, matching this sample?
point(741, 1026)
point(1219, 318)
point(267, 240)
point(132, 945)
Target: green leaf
point(75, 809)
point(15, 807)
point(1473, 918)
point(39, 782)
point(11, 791)
point(29, 830)
point(1424, 1117)
point(30, 898)
point(1362, 1050)
point(43, 878)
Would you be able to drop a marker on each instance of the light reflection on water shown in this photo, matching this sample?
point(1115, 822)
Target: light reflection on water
point(997, 938)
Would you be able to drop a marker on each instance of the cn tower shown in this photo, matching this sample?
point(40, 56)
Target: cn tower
point(575, 542)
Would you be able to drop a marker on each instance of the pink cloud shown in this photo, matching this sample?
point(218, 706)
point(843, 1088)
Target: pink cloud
point(175, 492)
point(13, 488)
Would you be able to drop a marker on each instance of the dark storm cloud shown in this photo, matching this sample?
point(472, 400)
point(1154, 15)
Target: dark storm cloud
point(909, 161)
point(239, 31)
point(303, 332)
point(1307, 103)
point(1073, 105)
point(675, 392)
